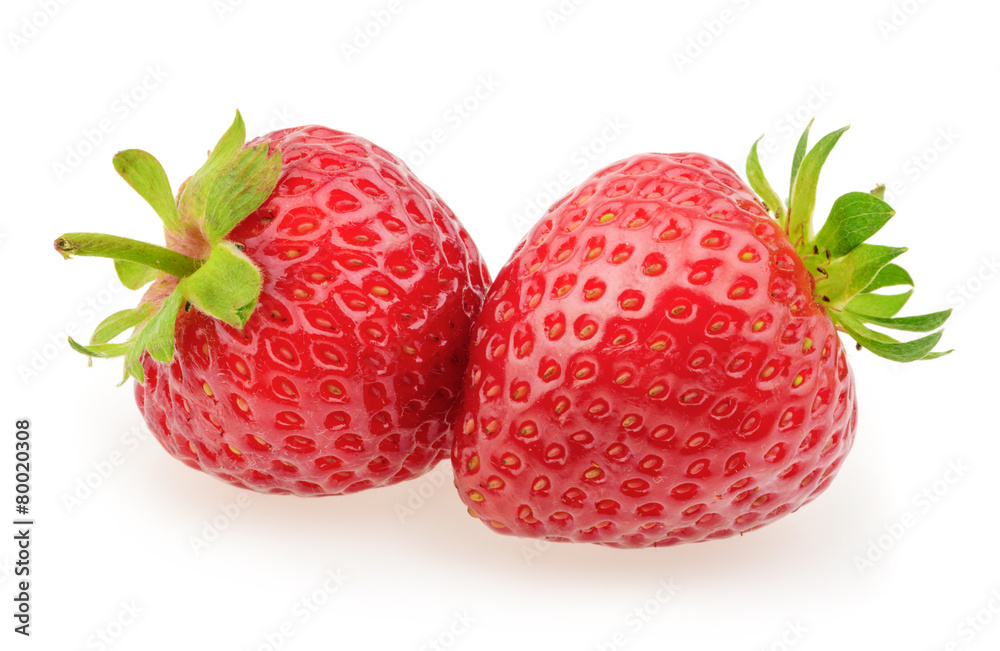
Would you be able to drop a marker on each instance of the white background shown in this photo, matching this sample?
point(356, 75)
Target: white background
point(547, 93)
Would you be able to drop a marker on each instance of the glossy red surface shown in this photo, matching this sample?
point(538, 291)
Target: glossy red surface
point(347, 374)
point(650, 367)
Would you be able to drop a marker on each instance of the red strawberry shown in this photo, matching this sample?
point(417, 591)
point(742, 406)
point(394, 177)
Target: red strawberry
point(659, 361)
point(307, 329)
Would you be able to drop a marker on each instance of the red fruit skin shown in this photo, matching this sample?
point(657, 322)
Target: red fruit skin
point(619, 391)
point(347, 375)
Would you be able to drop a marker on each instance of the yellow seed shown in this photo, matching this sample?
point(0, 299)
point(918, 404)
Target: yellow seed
point(592, 473)
point(476, 496)
point(520, 392)
point(659, 345)
point(656, 390)
point(758, 325)
point(653, 269)
point(470, 426)
point(550, 372)
point(242, 404)
point(629, 421)
point(797, 381)
point(208, 390)
point(623, 378)
point(630, 303)
point(562, 291)
point(605, 218)
point(235, 451)
point(594, 252)
point(378, 290)
point(292, 253)
point(473, 464)
point(746, 256)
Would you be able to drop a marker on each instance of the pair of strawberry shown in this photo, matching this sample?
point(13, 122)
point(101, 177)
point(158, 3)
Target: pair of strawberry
point(658, 362)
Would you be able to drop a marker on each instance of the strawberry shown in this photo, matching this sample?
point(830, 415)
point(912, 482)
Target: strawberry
point(659, 361)
point(308, 322)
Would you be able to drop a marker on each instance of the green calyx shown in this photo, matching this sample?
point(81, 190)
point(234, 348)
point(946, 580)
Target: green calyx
point(848, 271)
point(198, 268)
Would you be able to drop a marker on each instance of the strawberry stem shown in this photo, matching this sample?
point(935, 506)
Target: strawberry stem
point(122, 248)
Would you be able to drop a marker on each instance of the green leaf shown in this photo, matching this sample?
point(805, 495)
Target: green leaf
point(878, 305)
point(887, 347)
point(240, 189)
point(891, 275)
point(146, 176)
point(936, 355)
point(758, 181)
point(803, 199)
point(134, 275)
point(121, 321)
point(800, 153)
point(226, 287)
point(156, 337)
point(849, 275)
point(122, 248)
point(922, 323)
point(194, 194)
point(102, 351)
point(854, 218)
